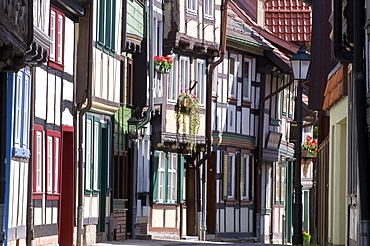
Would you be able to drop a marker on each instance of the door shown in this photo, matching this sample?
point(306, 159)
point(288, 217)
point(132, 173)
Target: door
point(66, 214)
point(211, 194)
point(104, 175)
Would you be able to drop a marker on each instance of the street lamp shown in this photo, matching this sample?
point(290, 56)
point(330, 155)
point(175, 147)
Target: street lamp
point(132, 128)
point(300, 63)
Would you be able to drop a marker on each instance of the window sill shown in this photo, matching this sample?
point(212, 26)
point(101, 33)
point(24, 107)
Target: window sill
point(246, 103)
point(245, 202)
point(230, 202)
point(52, 196)
point(232, 100)
point(55, 65)
point(37, 196)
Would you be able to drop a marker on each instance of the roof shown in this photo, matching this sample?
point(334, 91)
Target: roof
point(289, 19)
point(335, 88)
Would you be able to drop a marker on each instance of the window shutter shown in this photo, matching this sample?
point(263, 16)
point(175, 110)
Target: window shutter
point(241, 175)
point(225, 156)
point(155, 175)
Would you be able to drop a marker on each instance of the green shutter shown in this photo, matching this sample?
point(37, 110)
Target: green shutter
point(155, 175)
point(101, 22)
point(225, 157)
point(88, 165)
point(113, 28)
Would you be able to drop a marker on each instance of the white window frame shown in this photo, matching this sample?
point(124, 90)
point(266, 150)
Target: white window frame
point(231, 176)
point(49, 161)
point(233, 77)
point(246, 177)
point(208, 9)
point(161, 176)
point(56, 164)
point(201, 78)
point(88, 154)
point(39, 162)
point(184, 74)
point(172, 178)
point(96, 155)
point(172, 88)
point(249, 61)
point(18, 109)
point(192, 6)
point(53, 17)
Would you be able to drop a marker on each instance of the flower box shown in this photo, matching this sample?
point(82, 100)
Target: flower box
point(162, 64)
point(307, 155)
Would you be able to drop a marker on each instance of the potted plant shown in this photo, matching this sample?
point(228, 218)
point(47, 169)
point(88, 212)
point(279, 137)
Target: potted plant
point(163, 64)
point(309, 147)
point(188, 107)
point(306, 237)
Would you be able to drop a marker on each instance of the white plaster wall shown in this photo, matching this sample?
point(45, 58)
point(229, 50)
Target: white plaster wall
point(246, 124)
point(58, 90)
point(229, 219)
point(40, 84)
point(69, 46)
point(67, 90)
point(50, 99)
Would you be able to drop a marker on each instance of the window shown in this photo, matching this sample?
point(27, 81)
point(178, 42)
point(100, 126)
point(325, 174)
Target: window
point(172, 88)
point(228, 176)
point(184, 80)
point(280, 174)
point(106, 25)
point(52, 163)
point(244, 177)
point(208, 9)
point(92, 149)
point(202, 81)
point(191, 6)
point(57, 39)
point(20, 117)
point(232, 76)
point(168, 176)
point(38, 160)
point(246, 79)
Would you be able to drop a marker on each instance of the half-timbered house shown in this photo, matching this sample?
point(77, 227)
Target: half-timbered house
point(189, 34)
point(25, 44)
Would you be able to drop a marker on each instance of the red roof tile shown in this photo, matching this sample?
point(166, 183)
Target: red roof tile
point(289, 19)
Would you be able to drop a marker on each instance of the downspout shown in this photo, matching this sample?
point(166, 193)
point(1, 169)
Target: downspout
point(80, 209)
point(259, 143)
point(133, 197)
point(209, 117)
point(339, 52)
point(151, 65)
point(30, 236)
point(360, 114)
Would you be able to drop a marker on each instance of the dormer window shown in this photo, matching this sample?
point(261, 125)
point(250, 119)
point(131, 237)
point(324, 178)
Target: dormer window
point(56, 54)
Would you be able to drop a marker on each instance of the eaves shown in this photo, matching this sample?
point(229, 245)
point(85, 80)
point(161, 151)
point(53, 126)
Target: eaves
point(247, 45)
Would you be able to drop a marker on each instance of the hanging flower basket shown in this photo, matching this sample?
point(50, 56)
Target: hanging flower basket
point(187, 106)
point(162, 64)
point(309, 148)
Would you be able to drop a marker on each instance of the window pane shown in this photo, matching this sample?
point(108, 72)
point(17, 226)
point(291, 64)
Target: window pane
point(172, 178)
point(161, 176)
point(232, 76)
point(25, 112)
point(50, 164)
point(38, 161)
point(52, 35)
point(246, 177)
point(56, 166)
point(60, 39)
point(88, 155)
point(96, 155)
point(246, 81)
point(18, 101)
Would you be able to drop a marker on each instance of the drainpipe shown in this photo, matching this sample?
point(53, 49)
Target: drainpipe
point(88, 91)
point(339, 51)
point(133, 196)
point(202, 161)
point(360, 114)
point(151, 65)
point(259, 146)
point(30, 236)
